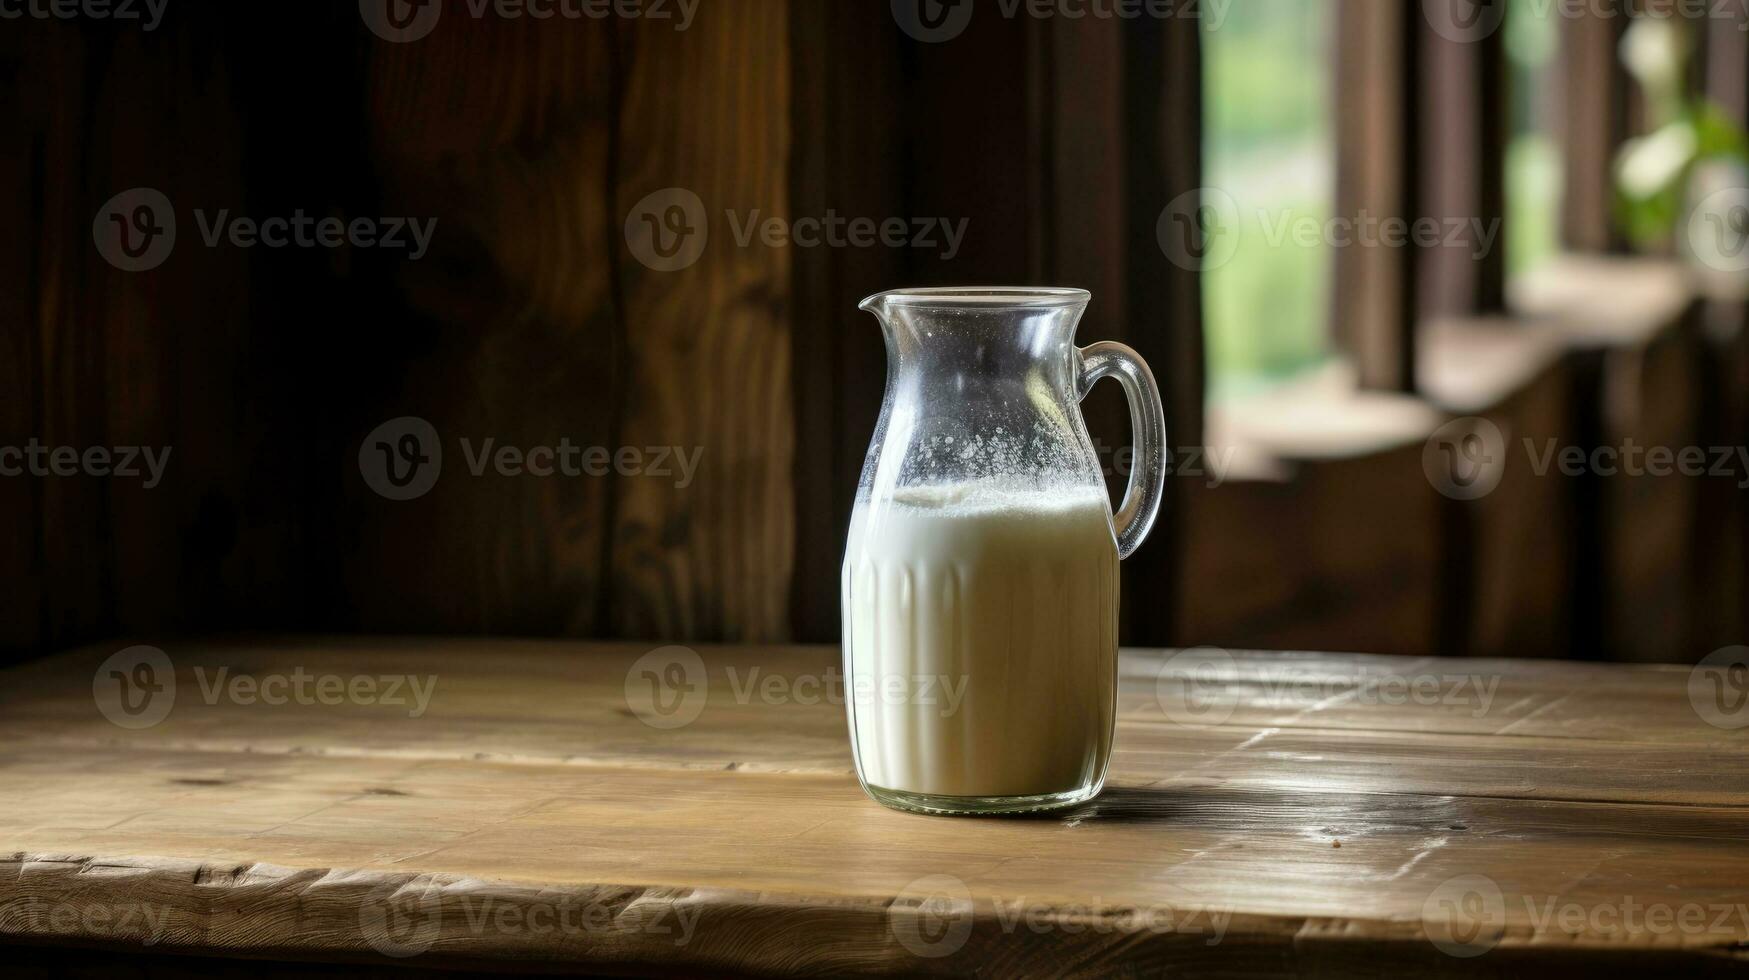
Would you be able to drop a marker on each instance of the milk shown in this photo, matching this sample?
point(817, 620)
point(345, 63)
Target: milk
point(980, 630)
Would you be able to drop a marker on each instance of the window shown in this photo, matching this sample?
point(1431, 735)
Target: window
point(1268, 147)
point(1533, 156)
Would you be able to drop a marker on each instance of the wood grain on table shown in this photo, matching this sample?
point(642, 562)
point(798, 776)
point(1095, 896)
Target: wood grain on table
point(519, 802)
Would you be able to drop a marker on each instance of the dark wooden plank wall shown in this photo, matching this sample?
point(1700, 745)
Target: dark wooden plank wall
point(1511, 559)
point(1341, 553)
point(1166, 308)
point(99, 357)
point(530, 320)
point(510, 330)
point(848, 99)
point(531, 141)
point(23, 626)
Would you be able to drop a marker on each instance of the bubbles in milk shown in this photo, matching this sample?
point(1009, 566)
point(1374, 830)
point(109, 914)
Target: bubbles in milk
point(1004, 592)
point(951, 455)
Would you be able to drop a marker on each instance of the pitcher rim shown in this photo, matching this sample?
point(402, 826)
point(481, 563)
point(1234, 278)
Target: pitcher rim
point(979, 297)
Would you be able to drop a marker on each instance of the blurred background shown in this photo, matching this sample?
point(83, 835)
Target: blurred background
point(537, 317)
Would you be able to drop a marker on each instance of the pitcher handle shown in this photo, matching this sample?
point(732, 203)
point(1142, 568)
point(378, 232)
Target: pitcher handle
point(1141, 500)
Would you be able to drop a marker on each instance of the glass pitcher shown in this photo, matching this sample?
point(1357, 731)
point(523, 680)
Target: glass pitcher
point(980, 582)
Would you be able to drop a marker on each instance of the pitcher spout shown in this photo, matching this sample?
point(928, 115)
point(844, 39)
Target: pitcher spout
point(876, 304)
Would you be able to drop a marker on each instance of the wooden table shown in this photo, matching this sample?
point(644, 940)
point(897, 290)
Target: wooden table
point(1267, 814)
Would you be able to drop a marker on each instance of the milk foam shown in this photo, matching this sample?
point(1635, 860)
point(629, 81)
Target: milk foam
point(1008, 596)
